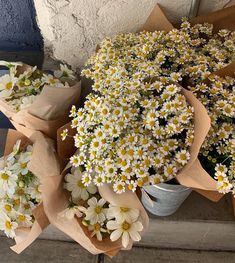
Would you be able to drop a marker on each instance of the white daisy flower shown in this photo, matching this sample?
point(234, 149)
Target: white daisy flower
point(64, 72)
point(97, 231)
point(7, 225)
point(21, 166)
point(122, 213)
point(24, 220)
point(7, 83)
point(125, 230)
point(96, 213)
point(119, 187)
point(8, 183)
point(75, 185)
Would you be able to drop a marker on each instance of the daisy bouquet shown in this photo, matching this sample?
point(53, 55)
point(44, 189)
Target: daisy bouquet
point(34, 100)
point(217, 154)
point(138, 125)
point(22, 216)
point(20, 192)
point(79, 209)
point(104, 221)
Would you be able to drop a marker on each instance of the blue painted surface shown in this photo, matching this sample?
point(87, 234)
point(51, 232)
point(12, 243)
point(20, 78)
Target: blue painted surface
point(4, 122)
point(18, 32)
point(18, 27)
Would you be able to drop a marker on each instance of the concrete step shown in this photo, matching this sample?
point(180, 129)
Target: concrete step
point(65, 252)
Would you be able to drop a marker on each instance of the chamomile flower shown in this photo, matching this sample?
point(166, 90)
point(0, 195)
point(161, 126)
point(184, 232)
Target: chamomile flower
point(8, 183)
point(96, 213)
point(126, 230)
point(7, 83)
point(119, 187)
point(97, 230)
point(7, 225)
point(122, 213)
point(75, 185)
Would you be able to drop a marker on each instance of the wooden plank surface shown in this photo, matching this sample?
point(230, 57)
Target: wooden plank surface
point(47, 251)
point(145, 255)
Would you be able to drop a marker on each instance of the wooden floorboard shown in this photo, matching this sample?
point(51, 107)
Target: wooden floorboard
point(46, 251)
point(146, 255)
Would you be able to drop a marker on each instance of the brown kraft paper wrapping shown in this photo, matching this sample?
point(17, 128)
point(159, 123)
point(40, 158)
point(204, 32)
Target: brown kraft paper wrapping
point(25, 236)
point(47, 113)
point(197, 179)
point(74, 227)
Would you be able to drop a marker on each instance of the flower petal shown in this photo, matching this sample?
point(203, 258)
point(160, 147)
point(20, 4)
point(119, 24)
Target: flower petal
point(125, 239)
point(115, 235)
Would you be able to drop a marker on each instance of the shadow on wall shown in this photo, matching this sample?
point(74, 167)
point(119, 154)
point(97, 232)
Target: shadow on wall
point(20, 38)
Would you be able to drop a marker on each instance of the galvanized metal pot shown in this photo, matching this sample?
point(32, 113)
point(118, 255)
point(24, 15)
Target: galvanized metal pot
point(164, 199)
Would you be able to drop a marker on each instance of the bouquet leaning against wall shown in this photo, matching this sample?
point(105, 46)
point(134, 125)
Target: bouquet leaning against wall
point(35, 100)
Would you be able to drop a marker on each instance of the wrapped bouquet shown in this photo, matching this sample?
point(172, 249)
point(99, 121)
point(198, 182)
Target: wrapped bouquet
point(22, 215)
point(34, 100)
point(218, 151)
point(20, 193)
point(87, 213)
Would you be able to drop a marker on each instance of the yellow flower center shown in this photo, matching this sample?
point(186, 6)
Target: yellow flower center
point(98, 209)
point(27, 82)
point(52, 81)
point(119, 187)
point(23, 165)
point(125, 226)
point(220, 178)
point(5, 176)
point(124, 209)
point(21, 218)
point(17, 202)
point(96, 144)
point(9, 85)
point(156, 180)
point(8, 225)
point(80, 184)
point(7, 208)
point(26, 206)
point(97, 227)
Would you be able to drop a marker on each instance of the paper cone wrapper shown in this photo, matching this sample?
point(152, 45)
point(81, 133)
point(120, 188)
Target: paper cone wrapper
point(157, 21)
point(221, 19)
point(193, 175)
point(58, 201)
point(25, 236)
point(48, 112)
point(215, 195)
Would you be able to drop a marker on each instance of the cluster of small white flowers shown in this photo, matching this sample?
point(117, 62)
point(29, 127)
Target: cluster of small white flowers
point(101, 218)
point(136, 127)
point(19, 191)
point(21, 89)
point(218, 150)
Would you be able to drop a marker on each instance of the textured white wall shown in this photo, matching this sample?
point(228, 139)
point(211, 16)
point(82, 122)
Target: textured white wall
point(72, 28)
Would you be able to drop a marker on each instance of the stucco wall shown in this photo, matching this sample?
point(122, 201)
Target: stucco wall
point(18, 27)
point(72, 28)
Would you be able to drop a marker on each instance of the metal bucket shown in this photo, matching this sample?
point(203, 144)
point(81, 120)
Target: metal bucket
point(165, 198)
